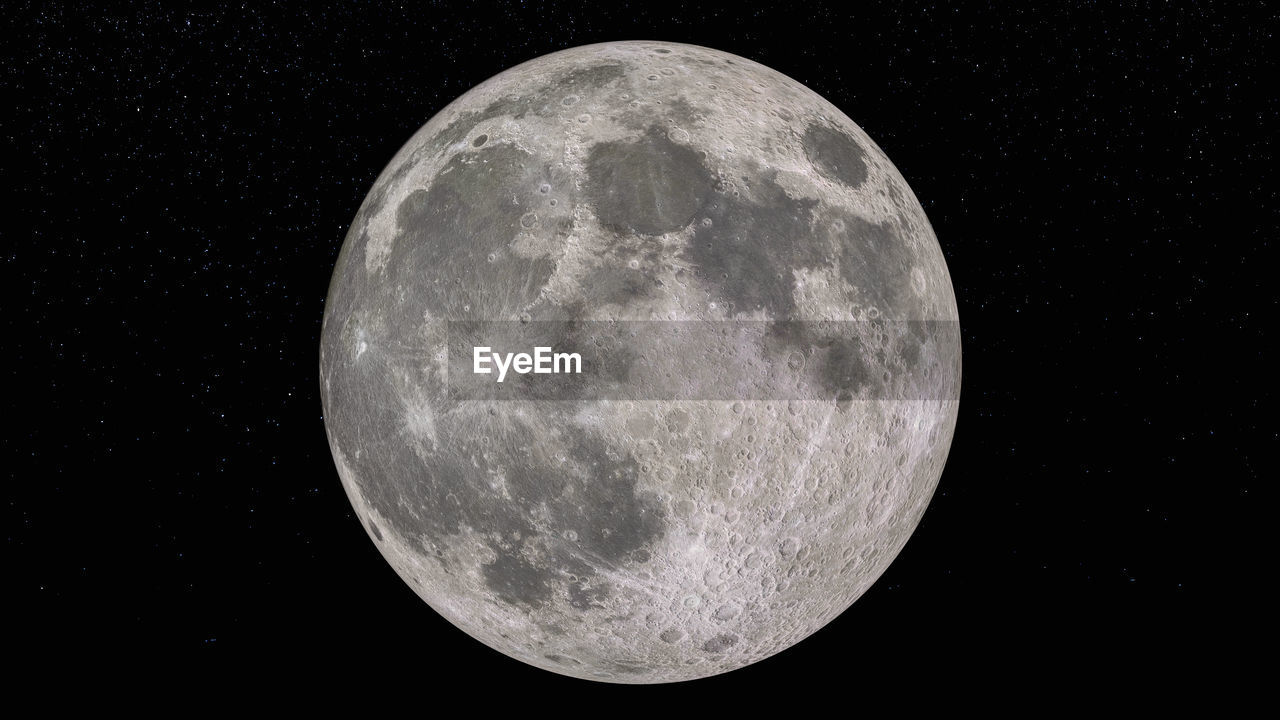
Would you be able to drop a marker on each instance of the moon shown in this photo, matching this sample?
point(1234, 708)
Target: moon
point(773, 360)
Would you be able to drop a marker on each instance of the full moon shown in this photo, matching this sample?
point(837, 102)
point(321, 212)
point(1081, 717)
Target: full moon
point(770, 350)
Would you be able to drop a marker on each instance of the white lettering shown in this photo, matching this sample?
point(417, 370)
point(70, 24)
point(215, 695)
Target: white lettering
point(567, 357)
point(502, 367)
point(542, 362)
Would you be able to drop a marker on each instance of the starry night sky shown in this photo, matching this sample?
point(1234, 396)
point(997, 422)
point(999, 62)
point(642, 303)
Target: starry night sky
point(1101, 183)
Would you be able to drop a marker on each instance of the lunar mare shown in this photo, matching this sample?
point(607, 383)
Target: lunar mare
point(662, 534)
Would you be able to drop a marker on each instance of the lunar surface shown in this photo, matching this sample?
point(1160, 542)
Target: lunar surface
point(772, 362)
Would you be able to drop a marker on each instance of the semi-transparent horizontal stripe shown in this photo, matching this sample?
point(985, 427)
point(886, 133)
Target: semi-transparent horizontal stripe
point(725, 360)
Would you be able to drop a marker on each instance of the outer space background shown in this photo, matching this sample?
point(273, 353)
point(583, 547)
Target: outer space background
point(1101, 183)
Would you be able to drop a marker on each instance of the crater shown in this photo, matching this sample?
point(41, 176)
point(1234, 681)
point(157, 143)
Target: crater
point(648, 186)
point(448, 231)
point(542, 100)
point(876, 262)
point(515, 580)
point(836, 154)
point(720, 643)
point(754, 242)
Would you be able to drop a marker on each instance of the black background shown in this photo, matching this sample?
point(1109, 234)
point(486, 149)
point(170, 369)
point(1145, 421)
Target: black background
point(1100, 182)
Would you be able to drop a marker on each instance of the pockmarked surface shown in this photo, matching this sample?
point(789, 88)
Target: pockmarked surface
point(661, 528)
